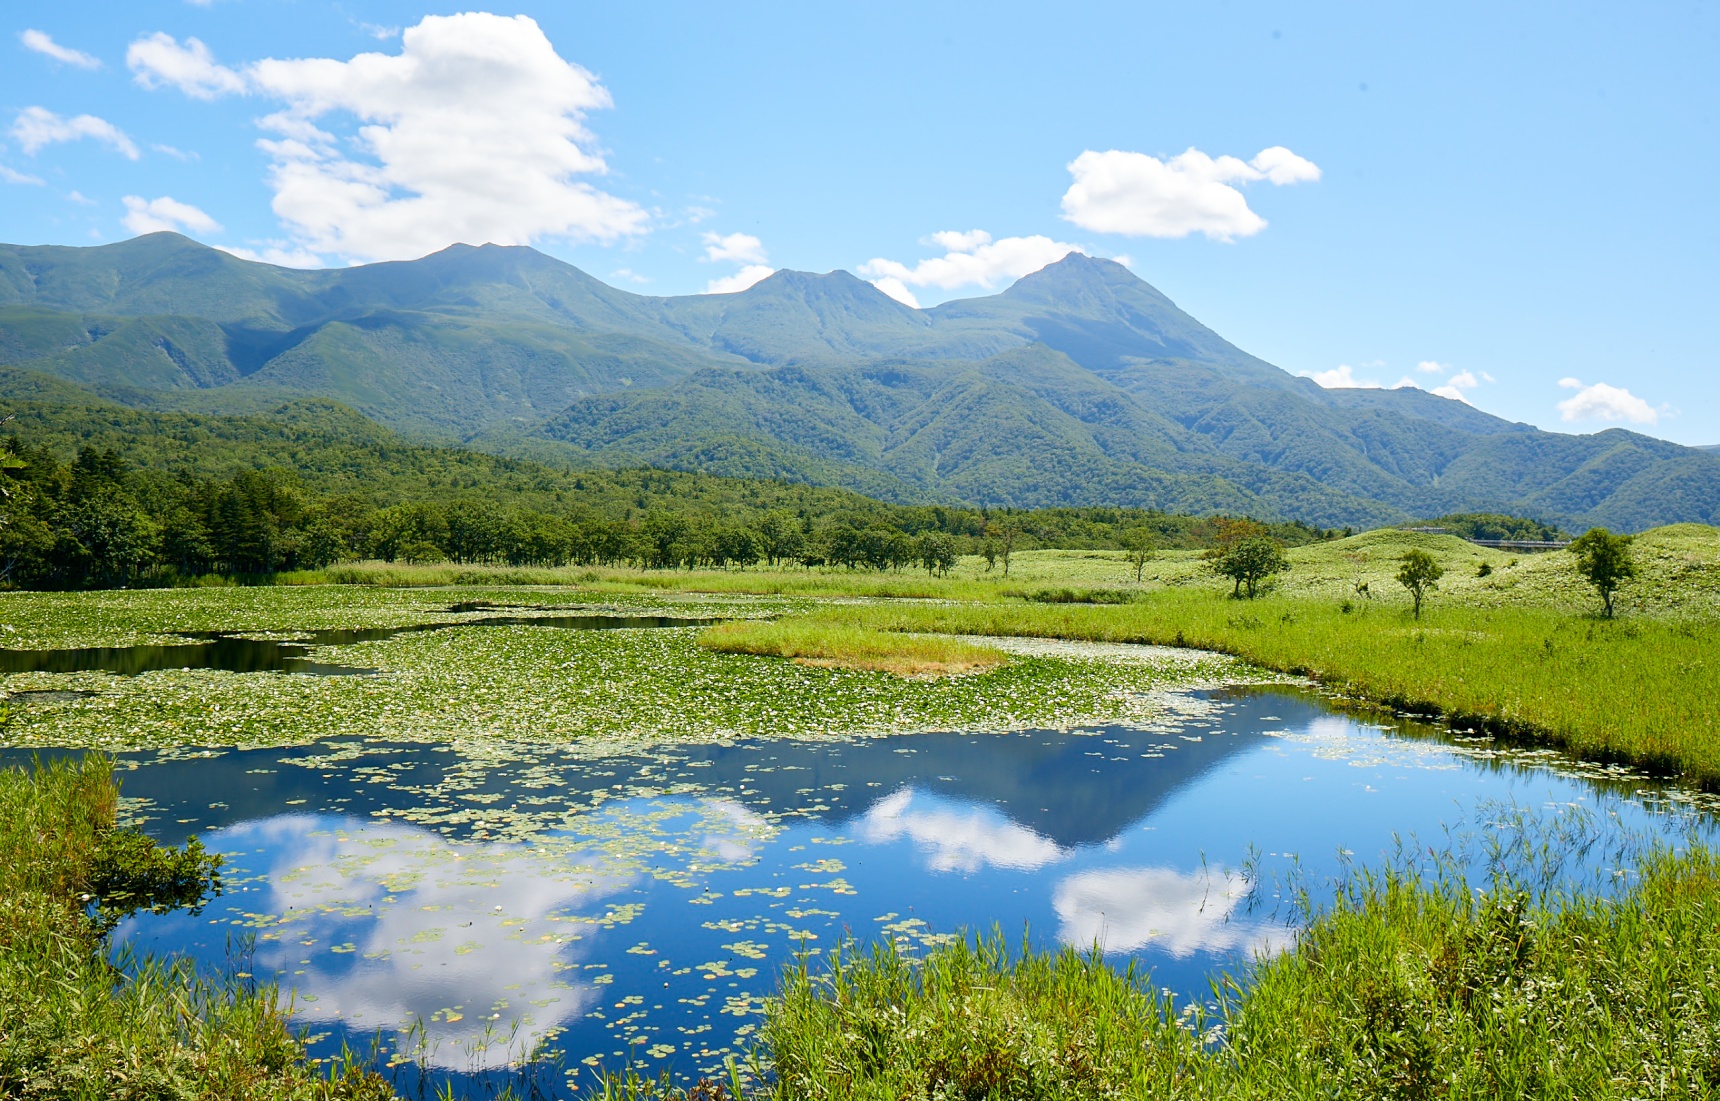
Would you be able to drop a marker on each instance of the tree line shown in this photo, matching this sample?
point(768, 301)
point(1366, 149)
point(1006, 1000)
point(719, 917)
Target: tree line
point(100, 522)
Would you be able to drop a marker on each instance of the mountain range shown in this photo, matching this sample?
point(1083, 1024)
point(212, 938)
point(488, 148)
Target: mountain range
point(1080, 384)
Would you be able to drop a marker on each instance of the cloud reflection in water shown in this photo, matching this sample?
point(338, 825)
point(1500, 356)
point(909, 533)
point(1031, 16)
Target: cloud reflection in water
point(1179, 913)
point(956, 837)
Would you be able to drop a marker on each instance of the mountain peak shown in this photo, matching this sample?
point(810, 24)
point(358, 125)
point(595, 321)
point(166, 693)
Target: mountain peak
point(838, 292)
point(1079, 277)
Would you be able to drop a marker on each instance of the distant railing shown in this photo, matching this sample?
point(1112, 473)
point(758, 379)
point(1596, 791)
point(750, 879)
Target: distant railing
point(1529, 546)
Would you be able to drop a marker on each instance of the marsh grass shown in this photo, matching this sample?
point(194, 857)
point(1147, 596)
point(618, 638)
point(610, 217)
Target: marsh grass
point(834, 646)
point(1407, 984)
point(971, 1019)
point(74, 1026)
point(1641, 691)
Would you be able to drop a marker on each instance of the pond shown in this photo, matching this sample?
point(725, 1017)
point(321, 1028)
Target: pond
point(234, 653)
point(475, 902)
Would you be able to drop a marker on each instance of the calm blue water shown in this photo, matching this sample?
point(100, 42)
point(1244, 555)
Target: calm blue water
point(508, 900)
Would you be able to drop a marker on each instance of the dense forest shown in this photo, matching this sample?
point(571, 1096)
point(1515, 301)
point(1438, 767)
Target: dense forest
point(98, 495)
point(97, 521)
point(101, 496)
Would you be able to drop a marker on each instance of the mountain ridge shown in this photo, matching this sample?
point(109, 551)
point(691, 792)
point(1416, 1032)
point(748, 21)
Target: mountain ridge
point(1078, 384)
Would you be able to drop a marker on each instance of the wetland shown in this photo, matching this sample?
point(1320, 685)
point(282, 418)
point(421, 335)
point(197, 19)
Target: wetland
point(511, 839)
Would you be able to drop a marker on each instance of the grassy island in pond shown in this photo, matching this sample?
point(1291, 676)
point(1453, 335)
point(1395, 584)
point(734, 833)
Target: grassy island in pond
point(837, 646)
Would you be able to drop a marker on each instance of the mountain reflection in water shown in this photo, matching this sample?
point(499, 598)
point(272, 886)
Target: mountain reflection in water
point(504, 896)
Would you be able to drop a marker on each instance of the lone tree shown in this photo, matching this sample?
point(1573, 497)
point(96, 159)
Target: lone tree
point(1139, 543)
point(1604, 559)
point(988, 551)
point(937, 553)
point(1418, 572)
point(1249, 562)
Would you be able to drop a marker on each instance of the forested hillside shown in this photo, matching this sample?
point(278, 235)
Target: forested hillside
point(1081, 385)
point(99, 495)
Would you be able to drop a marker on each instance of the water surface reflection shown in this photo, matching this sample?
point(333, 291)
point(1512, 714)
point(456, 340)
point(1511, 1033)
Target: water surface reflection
point(512, 898)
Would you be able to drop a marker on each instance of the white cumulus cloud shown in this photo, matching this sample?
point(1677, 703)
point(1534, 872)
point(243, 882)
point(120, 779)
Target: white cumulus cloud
point(1431, 367)
point(156, 215)
point(1144, 196)
point(740, 280)
point(971, 258)
point(736, 248)
point(1601, 402)
point(1126, 909)
point(282, 254)
point(1341, 377)
point(739, 248)
point(473, 132)
point(36, 127)
point(1457, 386)
point(158, 61)
point(43, 43)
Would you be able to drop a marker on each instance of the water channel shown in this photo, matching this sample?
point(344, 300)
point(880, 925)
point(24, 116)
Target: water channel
point(470, 903)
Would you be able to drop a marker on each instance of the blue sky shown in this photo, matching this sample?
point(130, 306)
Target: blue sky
point(1503, 201)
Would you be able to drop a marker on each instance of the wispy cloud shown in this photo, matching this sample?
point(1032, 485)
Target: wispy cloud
point(44, 44)
point(740, 248)
point(736, 248)
point(165, 213)
point(158, 61)
point(36, 127)
point(13, 176)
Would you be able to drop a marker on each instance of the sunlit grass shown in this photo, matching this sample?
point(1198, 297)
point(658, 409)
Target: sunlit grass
point(833, 646)
point(1640, 690)
point(1406, 986)
point(74, 1027)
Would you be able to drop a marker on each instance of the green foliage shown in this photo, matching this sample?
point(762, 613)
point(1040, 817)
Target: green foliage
point(833, 646)
point(1407, 985)
point(1080, 596)
point(160, 498)
point(1141, 546)
point(1417, 988)
point(72, 1026)
point(1604, 559)
point(1250, 561)
point(130, 872)
point(1080, 385)
point(542, 685)
point(1419, 572)
point(972, 1019)
point(1496, 526)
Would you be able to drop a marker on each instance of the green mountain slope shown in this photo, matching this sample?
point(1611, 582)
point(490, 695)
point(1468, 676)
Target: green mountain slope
point(1079, 384)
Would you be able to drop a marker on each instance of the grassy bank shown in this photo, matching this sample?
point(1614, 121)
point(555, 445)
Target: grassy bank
point(820, 645)
point(1643, 691)
point(73, 1027)
point(1406, 988)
